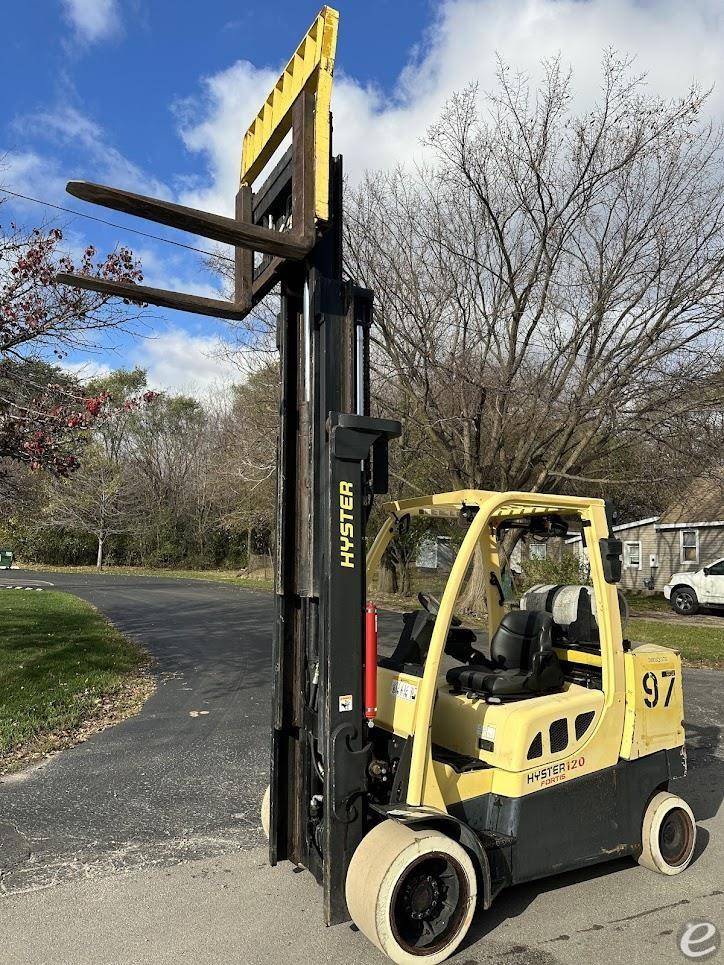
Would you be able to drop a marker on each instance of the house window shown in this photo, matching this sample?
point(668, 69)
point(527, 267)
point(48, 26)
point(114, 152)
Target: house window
point(537, 551)
point(690, 546)
point(632, 554)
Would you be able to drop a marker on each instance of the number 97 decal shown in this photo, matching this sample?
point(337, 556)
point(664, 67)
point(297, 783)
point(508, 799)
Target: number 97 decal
point(651, 687)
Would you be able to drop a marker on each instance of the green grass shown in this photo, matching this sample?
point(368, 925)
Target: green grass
point(216, 576)
point(640, 601)
point(697, 644)
point(62, 665)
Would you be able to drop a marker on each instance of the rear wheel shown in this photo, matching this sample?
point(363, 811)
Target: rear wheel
point(412, 893)
point(684, 601)
point(668, 834)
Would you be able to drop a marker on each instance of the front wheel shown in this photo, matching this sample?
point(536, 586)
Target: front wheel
point(668, 834)
point(684, 601)
point(412, 893)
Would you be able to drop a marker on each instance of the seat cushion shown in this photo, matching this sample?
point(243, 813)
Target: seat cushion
point(481, 680)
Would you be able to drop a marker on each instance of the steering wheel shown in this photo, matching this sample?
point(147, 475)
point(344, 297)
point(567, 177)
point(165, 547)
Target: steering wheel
point(432, 605)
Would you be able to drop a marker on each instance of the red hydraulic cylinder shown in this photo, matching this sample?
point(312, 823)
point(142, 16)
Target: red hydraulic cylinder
point(370, 662)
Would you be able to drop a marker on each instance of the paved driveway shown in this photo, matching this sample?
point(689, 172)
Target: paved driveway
point(164, 785)
point(148, 833)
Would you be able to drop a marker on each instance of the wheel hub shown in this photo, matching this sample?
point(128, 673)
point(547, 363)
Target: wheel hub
point(675, 837)
point(423, 897)
point(683, 601)
point(429, 903)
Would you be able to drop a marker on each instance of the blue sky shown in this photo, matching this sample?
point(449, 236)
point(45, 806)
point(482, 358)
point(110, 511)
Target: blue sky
point(154, 95)
point(105, 95)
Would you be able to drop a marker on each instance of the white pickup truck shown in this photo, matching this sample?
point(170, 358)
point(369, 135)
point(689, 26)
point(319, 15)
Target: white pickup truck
point(687, 592)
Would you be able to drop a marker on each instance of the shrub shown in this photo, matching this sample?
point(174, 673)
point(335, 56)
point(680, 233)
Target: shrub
point(568, 570)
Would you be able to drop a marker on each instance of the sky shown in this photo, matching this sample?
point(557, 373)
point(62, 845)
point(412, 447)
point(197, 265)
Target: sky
point(154, 96)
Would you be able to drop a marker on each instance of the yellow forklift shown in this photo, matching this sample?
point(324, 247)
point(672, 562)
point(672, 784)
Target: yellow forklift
point(477, 756)
point(415, 787)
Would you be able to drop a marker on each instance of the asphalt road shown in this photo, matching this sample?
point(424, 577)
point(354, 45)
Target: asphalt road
point(143, 845)
point(162, 786)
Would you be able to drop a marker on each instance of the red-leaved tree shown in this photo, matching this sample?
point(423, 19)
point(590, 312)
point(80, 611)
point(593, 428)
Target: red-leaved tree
point(43, 413)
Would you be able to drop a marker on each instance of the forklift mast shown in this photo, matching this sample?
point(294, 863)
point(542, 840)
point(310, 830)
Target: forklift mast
point(332, 456)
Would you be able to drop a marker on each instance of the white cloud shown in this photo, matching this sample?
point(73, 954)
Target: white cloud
point(67, 128)
point(212, 126)
point(164, 267)
point(30, 173)
point(86, 369)
point(179, 361)
point(93, 20)
point(176, 361)
point(675, 43)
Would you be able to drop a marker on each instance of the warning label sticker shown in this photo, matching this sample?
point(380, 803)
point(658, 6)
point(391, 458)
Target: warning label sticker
point(345, 703)
point(403, 691)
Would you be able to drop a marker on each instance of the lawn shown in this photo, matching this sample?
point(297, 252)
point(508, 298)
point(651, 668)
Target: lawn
point(643, 601)
point(64, 672)
point(697, 644)
point(254, 582)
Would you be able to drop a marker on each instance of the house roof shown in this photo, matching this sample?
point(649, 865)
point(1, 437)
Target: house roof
point(702, 502)
point(621, 527)
point(635, 523)
point(701, 505)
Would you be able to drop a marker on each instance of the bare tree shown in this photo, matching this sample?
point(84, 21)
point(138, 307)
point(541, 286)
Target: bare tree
point(550, 287)
point(94, 500)
point(245, 469)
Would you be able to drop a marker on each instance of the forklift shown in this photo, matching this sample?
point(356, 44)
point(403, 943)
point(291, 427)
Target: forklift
point(414, 787)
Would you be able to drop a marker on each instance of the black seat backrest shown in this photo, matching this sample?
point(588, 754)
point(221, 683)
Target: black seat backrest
point(517, 637)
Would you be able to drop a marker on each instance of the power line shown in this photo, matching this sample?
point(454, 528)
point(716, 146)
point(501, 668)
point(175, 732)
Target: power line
point(112, 224)
point(212, 254)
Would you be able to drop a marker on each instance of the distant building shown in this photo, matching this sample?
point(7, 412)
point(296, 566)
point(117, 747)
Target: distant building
point(435, 553)
point(689, 535)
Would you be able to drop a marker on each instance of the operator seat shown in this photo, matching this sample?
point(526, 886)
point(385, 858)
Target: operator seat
point(523, 664)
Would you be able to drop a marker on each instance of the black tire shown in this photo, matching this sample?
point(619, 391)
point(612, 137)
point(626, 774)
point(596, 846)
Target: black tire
point(684, 601)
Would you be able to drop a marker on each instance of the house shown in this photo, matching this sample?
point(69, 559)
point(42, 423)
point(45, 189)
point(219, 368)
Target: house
point(685, 537)
point(532, 549)
point(435, 553)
